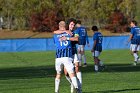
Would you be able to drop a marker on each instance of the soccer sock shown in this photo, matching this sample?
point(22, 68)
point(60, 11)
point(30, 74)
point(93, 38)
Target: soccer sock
point(135, 56)
point(72, 88)
point(101, 63)
point(84, 57)
point(57, 82)
point(96, 67)
point(74, 82)
point(79, 77)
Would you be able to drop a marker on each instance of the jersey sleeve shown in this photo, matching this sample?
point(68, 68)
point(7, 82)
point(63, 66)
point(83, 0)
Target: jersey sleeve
point(132, 31)
point(94, 37)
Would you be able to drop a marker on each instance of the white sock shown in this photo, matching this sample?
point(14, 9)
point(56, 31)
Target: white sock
point(57, 83)
point(101, 63)
point(74, 82)
point(79, 76)
point(96, 67)
point(135, 56)
point(84, 57)
point(72, 88)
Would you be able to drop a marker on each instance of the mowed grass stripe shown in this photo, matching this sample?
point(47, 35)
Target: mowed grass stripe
point(34, 72)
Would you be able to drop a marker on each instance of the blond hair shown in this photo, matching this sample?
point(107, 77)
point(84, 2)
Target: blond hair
point(62, 24)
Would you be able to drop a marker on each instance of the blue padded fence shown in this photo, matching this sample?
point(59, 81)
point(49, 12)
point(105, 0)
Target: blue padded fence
point(46, 44)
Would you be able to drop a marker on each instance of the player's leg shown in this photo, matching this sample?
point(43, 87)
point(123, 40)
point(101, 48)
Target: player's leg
point(77, 68)
point(134, 48)
point(58, 67)
point(69, 80)
point(79, 55)
point(77, 71)
point(70, 69)
point(83, 55)
point(138, 58)
point(95, 55)
point(78, 74)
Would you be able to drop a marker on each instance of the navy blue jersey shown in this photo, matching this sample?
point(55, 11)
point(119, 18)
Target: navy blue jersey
point(74, 48)
point(83, 37)
point(135, 31)
point(99, 38)
point(63, 48)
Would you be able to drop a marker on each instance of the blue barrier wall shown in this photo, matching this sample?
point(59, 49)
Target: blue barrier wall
point(45, 44)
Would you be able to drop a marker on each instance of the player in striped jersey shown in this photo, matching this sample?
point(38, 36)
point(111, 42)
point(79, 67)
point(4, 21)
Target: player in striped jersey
point(71, 24)
point(83, 39)
point(64, 56)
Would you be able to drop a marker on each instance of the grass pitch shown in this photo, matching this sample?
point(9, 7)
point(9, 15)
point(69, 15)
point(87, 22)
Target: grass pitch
point(34, 72)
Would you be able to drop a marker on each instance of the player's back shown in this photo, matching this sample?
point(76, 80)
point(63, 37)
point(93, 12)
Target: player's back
point(63, 48)
point(98, 37)
point(82, 35)
point(136, 35)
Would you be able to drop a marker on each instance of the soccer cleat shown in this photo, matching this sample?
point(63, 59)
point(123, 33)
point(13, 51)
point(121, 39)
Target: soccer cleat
point(138, 60)
point(85, 65)
point(101, 68)
point(78, 90)
point(134, 64)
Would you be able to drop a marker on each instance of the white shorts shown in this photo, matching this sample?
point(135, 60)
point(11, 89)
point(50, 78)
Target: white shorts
point(96, 54)
point(66, 62)
point(75, 58)
point(81, 47)
point(134, 47)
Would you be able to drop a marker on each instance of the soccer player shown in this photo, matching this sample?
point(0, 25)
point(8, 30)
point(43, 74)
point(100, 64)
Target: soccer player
point(135, 41)
point(64, 57)
point(70, 25)
point(83, 38)
point(97, 48)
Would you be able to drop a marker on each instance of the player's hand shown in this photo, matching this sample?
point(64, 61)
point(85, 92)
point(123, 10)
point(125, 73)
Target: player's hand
point(92, 50)
point(63, 38)
point(69, 32)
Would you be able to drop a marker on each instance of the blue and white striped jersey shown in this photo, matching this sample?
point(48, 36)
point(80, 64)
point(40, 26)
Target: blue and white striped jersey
point(63, 48)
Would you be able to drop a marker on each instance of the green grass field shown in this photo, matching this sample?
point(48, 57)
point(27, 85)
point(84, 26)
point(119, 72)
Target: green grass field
point(33, 72)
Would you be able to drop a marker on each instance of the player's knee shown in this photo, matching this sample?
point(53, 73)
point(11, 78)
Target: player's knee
point(71, 72)
point(59, 72)
point(58, 76)
point(135, 51)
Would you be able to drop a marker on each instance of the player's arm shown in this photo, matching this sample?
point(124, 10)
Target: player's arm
point(72, 38)
point(131, 36)
point(94, 45)
point(62, 31)
point(75, 38)
point(87, 40)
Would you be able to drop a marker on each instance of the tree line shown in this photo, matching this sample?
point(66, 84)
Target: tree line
point(22, 14)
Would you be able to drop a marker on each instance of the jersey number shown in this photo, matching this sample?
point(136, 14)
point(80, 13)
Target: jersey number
point(63, 43)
